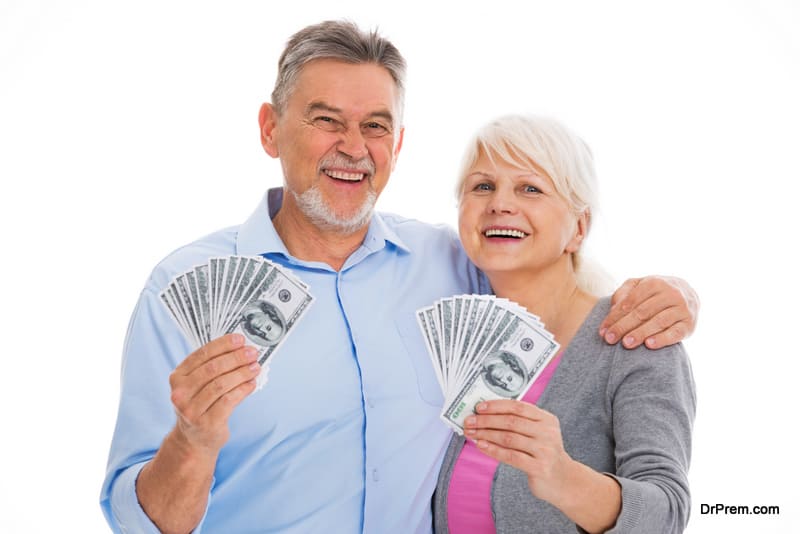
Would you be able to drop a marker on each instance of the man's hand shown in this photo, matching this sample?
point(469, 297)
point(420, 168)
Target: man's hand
point(656, 310)
point(208, 385)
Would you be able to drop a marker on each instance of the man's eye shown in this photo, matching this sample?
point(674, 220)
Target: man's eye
point(325, 123)
point(374, 129)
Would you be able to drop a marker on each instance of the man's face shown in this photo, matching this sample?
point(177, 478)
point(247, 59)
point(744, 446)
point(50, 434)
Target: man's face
point(338, 140)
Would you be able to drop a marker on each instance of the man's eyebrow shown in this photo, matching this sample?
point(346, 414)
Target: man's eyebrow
point(383, 114)
point(321, 106)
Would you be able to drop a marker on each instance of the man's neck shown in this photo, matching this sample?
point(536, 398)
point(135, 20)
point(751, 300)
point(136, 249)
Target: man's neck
point(308, 242)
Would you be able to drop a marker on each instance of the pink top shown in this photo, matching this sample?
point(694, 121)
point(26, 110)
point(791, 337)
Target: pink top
point(469, 507)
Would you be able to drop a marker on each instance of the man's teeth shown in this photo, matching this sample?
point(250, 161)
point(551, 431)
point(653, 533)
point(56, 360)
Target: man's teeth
point(349, 176)
point(504, 232)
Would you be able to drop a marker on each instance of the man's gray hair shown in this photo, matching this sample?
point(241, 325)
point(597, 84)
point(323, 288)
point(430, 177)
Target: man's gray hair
point(338, 40)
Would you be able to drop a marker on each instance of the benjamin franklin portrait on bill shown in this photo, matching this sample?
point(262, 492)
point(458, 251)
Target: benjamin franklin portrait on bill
point(262, 323)
point(504, 373)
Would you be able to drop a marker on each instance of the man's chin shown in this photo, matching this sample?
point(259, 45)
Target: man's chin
point(320, 213)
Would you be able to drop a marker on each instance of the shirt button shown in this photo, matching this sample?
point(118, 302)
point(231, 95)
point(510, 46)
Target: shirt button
point(375, 476)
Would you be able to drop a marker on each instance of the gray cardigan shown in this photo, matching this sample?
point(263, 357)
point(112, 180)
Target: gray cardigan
point(628, 413)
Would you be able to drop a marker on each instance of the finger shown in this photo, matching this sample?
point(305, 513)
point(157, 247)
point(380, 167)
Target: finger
point(649, 299)
point(640, 306)
point(660, 322)
point(511, 407)
point(618, 310)
point(503, 439)
point(675, 333)
point(217, 388)
point(222, 364)
point(504, 422)
point(186, 387)
point(515, 458)
point(222, 408)
point(623, 290)
point(212, 349)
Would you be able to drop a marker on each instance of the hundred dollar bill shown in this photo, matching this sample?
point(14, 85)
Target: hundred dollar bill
point(272, 310)
point(507, 367)
point(249, 295)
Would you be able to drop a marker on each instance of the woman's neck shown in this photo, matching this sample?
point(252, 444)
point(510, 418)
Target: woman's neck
point(552, 295)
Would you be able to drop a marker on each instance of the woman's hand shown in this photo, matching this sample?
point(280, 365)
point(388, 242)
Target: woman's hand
point(526, 437)
point(523, 436)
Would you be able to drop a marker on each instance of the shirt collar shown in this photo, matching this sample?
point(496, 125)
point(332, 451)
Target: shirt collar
point(257, 235)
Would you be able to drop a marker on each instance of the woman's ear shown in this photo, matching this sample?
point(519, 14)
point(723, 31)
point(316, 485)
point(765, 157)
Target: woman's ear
point(581, 231)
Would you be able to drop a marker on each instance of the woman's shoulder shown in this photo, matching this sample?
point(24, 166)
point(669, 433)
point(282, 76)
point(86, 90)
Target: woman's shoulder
point(624, 361)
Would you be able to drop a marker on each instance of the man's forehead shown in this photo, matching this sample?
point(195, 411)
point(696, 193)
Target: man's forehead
point(338, 87)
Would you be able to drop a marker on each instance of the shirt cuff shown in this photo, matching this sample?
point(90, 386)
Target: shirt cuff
point(128, 513)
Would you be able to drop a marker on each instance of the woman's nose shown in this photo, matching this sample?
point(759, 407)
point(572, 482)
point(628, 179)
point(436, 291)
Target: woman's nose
point(502, 201)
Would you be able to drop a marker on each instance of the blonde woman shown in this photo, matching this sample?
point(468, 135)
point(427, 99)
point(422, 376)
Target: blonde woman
point(602, 440)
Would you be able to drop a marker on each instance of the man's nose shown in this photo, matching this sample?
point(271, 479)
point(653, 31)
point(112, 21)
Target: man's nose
point(353, 144)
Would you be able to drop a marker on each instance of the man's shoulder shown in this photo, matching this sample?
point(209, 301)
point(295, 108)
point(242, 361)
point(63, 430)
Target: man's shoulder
point(406, 226)
point(216, 244)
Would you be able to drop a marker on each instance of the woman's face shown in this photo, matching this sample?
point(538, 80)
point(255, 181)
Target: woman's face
point(512, 219)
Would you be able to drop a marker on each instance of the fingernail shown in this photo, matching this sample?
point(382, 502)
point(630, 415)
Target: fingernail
point(470, 431)
point(254, 366)
point(628, 341)
point(482, 406)
point(481, 444)
point(469, 421)
point(238, 339)
point(603, 331)
point(250, 352)
point(611, 338)
point(650, 342)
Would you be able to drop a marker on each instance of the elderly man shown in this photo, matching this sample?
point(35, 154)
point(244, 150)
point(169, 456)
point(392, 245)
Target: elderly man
point(346, 436)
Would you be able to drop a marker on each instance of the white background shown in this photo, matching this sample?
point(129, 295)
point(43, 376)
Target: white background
point(128, 129)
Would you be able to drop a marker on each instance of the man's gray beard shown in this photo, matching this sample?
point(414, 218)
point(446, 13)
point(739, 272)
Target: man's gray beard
point(314, 207)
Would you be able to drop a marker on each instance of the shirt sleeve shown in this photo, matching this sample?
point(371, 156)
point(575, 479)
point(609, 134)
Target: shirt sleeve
point(153, 347)
point(652, 394)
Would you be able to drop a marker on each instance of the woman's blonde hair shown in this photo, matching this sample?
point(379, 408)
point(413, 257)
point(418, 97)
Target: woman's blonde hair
point(546, 145)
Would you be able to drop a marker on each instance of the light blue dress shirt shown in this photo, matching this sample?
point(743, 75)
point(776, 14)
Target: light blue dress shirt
point(345, 436)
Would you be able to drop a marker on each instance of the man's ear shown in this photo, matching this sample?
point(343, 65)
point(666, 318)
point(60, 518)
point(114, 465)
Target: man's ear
point(268, 124)
point(397, 147)
point(581, 230)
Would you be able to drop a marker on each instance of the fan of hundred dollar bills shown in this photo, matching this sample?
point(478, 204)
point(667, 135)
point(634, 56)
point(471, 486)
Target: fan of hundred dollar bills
point(483, 348)
point(248, 295)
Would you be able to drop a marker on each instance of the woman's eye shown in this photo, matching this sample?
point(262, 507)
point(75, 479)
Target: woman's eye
point(531, 189)
point(483, 186)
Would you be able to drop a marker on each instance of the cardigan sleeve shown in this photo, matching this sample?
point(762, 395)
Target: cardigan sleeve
point(652, 399)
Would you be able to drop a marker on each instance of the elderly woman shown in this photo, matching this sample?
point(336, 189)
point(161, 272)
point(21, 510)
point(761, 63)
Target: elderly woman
point(602, 439)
